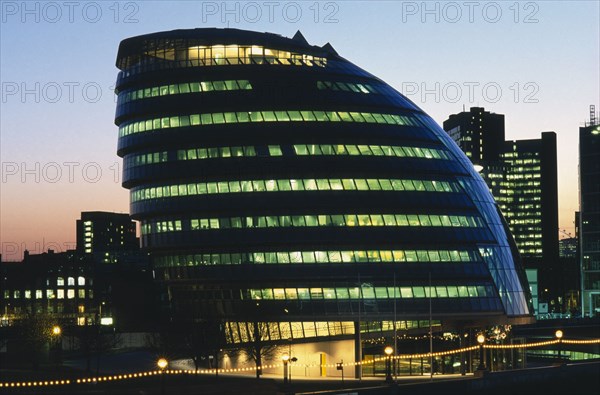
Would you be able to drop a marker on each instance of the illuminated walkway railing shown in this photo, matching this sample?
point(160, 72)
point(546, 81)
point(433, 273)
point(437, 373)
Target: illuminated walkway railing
point(138, 375)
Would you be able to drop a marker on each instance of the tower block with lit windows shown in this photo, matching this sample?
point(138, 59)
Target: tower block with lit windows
point(109, 237)
point(522, 176)
point(589, 200)
point(278, 183)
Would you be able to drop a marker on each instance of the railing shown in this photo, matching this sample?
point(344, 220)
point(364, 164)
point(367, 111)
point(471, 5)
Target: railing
point(118, 377)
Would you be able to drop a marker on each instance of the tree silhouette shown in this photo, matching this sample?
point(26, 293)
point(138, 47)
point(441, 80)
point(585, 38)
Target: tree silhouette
point(37, 333)
point(259, 348)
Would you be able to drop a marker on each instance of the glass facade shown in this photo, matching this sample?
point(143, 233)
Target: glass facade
point(232, 117)
point(277, 150)
point(308, 257)
point(321, 191)
point(307, 184)
point(346, 220)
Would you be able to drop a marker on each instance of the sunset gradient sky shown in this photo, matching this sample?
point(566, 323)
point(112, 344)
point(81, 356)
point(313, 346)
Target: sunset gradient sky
point(539, 62)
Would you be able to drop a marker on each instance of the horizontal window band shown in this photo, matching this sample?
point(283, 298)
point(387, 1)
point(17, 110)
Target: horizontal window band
point(216, 55)
point(234, 117)
point(312, 257)
point(221, 187)
point(368, 292)
point(278, 150)
point(182, 88)
point(242, 332)
point(314, 220)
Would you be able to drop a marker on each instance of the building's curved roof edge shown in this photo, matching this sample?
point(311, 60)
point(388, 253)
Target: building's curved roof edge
point(226, 36)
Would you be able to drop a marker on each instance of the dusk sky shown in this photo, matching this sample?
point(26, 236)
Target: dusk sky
point(536, 62)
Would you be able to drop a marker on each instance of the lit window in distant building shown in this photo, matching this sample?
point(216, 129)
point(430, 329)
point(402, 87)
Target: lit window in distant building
point(38, 294)
point(70, 293)
point(27, 294)
point(81, 308)
point(80, 321)
point(50, 294)
point(71, 281)
point(81, 294)
point(60, 281)
point(80, 280)
point(60, 294)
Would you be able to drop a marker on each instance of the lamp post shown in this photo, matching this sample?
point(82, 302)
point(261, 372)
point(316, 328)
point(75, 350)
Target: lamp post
point(559, 335)
point(56, 333)
point(162, 365)
point(481, 340)
point(285, 359)
point(388, 364)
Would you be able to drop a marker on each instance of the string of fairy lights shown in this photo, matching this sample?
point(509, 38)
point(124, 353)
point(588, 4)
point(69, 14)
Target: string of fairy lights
point(118, 377)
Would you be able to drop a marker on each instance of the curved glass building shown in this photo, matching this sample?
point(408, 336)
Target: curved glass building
point(275, 181)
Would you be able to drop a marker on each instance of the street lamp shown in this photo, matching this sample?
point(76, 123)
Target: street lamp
point(56, 332)
point(559, 335)
point(388, 364)
point(285, 358)
point(162, 365)
point(481, 340)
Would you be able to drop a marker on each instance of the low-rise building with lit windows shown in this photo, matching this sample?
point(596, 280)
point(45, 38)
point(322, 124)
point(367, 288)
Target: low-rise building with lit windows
point(277, 182)
point(78, 287)
point(60, 285)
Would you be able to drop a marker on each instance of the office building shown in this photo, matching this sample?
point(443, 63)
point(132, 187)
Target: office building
point(522, 176)
point(589, 226)
point(275, 181)
point(109, 237)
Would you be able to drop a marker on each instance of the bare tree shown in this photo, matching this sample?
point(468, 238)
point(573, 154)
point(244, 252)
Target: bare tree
point(202, 339)
point(92, 341)
point(259, 347)
point(37, 333)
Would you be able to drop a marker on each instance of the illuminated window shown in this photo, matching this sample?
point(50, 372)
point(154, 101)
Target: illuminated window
point(185, 87)
point(306, 221)
point(70, 294)
point(346, 86)
point(296, 185)
point(310, 257)
point(263, 116)
point(71, 281)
